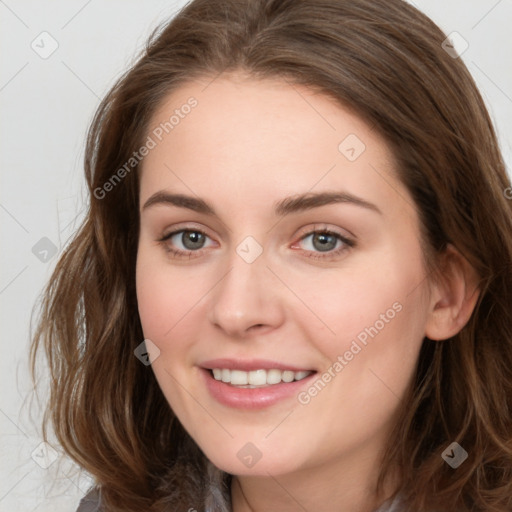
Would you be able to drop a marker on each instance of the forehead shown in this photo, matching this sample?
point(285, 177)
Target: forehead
point(263, 139)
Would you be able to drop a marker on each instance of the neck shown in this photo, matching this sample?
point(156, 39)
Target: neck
point(342, 486)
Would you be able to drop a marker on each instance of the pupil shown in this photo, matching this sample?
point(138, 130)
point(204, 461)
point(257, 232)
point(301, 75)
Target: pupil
point(192, 239)
point(324, 242)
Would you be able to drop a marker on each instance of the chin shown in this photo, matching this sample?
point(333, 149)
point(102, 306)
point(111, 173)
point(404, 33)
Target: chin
point(251, 459)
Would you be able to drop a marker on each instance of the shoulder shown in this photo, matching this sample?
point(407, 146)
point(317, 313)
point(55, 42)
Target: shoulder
point(90, 502)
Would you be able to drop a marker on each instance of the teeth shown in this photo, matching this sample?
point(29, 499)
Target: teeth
point(288, 376)
point(239, 378)
point(273, 376)
point(257, 378)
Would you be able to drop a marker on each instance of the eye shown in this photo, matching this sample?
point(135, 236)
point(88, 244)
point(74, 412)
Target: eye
point(317, 243)
point(186, 241)
point(324, 243)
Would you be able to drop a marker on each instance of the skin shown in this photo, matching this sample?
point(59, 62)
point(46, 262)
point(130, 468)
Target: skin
point(247, 145)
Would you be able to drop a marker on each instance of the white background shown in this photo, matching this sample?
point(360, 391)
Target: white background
point(46, 106)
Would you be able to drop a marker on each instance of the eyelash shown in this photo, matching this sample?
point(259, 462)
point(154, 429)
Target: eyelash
point(178, 253)
point(347, 244)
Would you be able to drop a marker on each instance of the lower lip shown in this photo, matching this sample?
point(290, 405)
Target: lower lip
point(252, 398)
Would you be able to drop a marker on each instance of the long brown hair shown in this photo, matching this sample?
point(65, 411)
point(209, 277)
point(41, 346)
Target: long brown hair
point(384, 60)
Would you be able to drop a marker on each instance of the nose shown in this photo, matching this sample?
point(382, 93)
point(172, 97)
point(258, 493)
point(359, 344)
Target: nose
point(247, 299)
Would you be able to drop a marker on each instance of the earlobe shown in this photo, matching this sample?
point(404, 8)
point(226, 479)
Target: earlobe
point(454, 293)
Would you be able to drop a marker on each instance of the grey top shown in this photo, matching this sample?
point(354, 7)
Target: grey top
point(391, 506)
point(91, 503)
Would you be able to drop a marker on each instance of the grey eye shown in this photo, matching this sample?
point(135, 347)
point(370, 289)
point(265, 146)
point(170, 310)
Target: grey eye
point(189, 240)
point(324, 241)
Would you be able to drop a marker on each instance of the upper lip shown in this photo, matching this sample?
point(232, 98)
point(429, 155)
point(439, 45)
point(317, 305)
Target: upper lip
point(250, 365)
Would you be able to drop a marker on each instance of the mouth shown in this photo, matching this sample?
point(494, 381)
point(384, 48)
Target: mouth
point(260, 378)
point(254, 384)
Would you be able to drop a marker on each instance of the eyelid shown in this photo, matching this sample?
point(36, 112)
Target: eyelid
point(348, 242)
point(325, 228)
point(171, 234)
point(343, 234)
point(185, 226)
point(177, 253)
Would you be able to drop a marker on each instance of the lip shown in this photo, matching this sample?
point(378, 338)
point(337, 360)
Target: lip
point(252, 398)
point(248, 365)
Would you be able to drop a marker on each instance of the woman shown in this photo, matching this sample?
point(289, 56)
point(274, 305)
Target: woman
point(292, 287)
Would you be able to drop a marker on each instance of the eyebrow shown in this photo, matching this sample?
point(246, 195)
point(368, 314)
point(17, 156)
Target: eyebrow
point(293, 204)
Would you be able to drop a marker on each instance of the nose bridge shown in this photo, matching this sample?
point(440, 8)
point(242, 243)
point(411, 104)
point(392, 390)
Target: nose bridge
point(244, 297)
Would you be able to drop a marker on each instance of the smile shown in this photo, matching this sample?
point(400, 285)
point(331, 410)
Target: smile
point(257, 378)
point(253, 384)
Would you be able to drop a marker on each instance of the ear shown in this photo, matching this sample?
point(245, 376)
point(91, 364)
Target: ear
point(454, 292)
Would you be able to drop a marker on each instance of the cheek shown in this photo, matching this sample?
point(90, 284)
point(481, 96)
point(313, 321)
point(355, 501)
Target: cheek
point(163, 296)
point(156, 304)
point(378, 317)
point(172, 304)
point(165, 303)
point(378, 320)
point(376, 298)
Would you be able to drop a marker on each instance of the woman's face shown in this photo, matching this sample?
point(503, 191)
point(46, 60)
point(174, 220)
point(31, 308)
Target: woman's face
point(276, 243)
